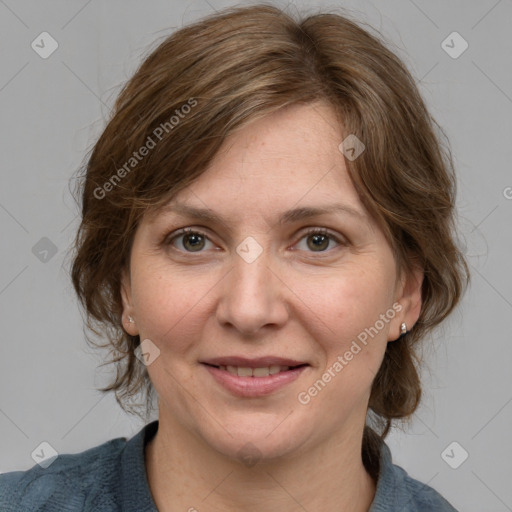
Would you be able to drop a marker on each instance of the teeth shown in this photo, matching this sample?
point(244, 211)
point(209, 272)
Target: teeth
point(244, 372)
point(261, 372)
point(254, 372)
point(275, 369)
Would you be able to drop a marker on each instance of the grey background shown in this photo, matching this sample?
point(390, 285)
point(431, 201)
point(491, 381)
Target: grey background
point(54, 108)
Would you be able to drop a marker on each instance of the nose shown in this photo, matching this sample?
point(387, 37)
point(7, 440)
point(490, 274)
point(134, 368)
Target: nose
point(252, 296)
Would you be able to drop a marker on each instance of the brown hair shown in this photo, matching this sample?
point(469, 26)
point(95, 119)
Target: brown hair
point(210, 78)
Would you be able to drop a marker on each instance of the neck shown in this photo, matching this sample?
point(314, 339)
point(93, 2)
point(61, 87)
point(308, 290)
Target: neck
point(185, 473)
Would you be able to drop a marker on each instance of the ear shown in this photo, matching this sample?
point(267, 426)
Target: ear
point(408, 295)
point(128, 309)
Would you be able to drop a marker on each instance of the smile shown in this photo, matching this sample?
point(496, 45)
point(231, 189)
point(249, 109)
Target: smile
point(254, 382)
point(264, 371)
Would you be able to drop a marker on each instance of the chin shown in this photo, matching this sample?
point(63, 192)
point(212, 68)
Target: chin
point(253, 443)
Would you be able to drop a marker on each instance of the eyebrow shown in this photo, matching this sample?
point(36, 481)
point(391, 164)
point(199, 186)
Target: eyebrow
point(287, 217)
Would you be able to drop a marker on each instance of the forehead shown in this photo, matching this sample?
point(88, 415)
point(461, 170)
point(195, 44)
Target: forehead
point(284, 167)
point(292, 152)
point(304, 134)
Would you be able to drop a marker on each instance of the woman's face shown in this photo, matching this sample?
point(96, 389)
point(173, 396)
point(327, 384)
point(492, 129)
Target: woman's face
point(256, 285)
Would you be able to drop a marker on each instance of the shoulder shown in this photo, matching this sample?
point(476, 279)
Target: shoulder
point(396, 490)
point(422, 497)
point(70, 482)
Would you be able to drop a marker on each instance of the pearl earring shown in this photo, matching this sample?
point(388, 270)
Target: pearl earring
point(131, 320)
point(403, 329)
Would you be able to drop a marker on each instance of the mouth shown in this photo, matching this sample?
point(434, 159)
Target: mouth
point(256, 380)
point(256, 372)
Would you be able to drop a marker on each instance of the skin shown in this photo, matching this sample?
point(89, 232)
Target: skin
point(295, 300)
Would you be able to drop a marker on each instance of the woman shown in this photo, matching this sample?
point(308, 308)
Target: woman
point(267, 233)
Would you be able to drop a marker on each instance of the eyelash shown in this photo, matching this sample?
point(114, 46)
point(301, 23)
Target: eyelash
point(309, 232)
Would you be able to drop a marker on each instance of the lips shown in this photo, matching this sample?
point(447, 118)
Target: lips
point(245, 386)
point(258, 362)
point(254, 377)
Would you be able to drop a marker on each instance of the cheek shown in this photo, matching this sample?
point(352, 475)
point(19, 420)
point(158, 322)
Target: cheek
point(351, 301)
point(167, 306)
point(350, 317)
point(352, 337)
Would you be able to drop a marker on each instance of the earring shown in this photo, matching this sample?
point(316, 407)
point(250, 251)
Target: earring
point(403, 329)
point(131, 320)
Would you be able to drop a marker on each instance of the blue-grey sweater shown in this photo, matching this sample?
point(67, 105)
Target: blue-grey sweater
point(112, 477)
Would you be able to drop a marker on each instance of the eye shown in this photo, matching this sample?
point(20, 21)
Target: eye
point(192, 240)
point(318, 239)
